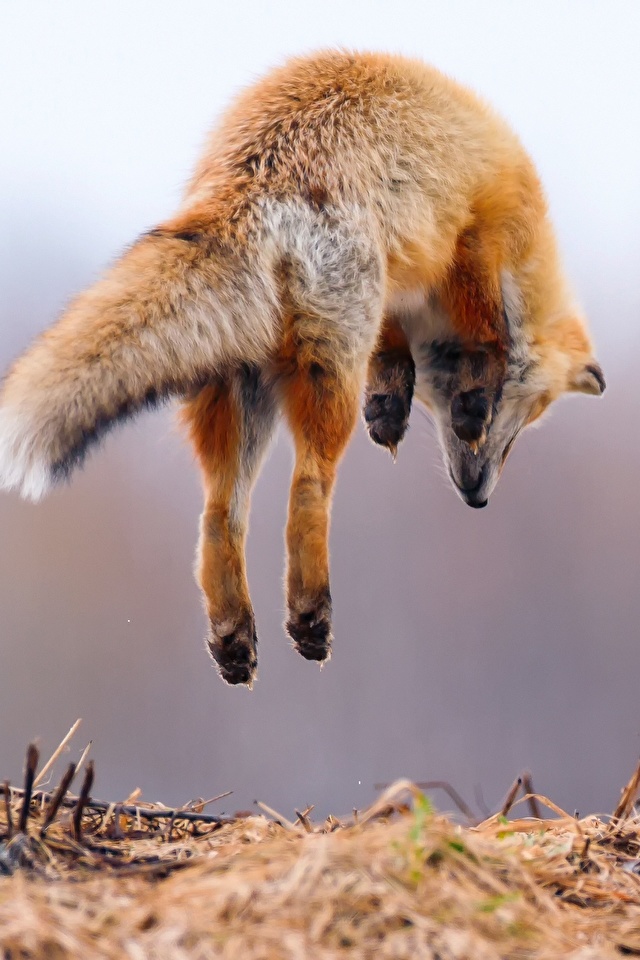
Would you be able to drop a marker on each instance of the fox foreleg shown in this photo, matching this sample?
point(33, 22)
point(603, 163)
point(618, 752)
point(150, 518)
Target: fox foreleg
point(473, 298)
point(391, 380)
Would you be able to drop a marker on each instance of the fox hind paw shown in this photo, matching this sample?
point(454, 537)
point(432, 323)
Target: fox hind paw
point(309, 626)
point(233, 647)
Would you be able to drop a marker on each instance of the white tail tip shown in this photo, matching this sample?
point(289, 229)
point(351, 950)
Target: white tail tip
point(22, 466)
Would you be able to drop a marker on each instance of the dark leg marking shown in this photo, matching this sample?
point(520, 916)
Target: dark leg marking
point(309, 626)
point(234, 648)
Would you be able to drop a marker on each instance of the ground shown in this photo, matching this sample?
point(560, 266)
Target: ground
point(398, 880)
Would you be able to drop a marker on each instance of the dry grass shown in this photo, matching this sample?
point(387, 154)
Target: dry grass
point(398, 881)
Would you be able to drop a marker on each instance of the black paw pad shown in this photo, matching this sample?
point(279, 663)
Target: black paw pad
point(470, 414)
point(387, 418)
point(309, 626)
point(233, 647)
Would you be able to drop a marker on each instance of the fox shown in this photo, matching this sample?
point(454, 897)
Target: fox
point(360, 229)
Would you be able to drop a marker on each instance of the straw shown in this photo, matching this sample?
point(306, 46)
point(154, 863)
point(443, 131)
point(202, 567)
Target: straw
point(397, 881)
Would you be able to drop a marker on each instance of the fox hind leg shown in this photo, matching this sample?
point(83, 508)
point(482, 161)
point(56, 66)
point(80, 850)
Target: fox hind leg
point(320, 402)
point(332, 294)
point(231, 423)
point(391, 380)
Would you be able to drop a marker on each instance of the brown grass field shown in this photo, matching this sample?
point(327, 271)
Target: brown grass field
point(81, 878)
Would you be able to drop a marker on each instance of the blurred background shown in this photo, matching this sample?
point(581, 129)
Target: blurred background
point(469, 644)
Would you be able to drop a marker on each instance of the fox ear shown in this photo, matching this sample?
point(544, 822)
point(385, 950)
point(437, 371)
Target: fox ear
point(589, 379)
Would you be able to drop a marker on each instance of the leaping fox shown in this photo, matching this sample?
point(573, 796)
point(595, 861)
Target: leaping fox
point(356, 221)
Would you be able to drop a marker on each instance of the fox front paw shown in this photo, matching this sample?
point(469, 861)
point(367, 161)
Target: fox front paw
point(233, 645)
point(387, 404)
point(470, 415)
point(309, 626)
point(387, 419)
point(482, 374)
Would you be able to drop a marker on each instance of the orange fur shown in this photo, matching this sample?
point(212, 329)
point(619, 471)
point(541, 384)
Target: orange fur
point(213, 423)
point(337, 198)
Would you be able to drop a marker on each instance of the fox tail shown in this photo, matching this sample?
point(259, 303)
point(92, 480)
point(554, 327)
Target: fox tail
point(162, 322)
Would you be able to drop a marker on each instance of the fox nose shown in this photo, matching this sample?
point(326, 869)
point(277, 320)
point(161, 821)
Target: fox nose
point(469, 490)
point(469, 413)
point(471, 495)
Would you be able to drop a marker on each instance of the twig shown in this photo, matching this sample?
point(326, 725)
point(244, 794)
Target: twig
point(168, 830)
point(146, 813)
point(117, 832)
point(85, 790)
point(30, 772)
point(527, 787)
point(199, 805)
point(276, 816)
point(511, 796)
point(84, 755)
point(389, 802)
point(58, 797)
point(304, 820)
point(56, 753)
point(628, 796)
point(452, 793)
point(332, 823)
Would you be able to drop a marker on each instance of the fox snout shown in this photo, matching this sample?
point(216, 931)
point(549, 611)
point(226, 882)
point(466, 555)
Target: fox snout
point(468, 476)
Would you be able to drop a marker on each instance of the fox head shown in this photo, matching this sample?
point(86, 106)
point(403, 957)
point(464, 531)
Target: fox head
point(555, 362)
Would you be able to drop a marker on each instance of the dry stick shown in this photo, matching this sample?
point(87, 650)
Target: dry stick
point(197, 806)
point(56, 753)
point(527, 787)
point(83, 799)
point(58, 797)
point(304, 820)
point(440, 785)
point(628, 796)
point(30, 772)
point(452, 793)
point(84, 755)
point(168, 830)
point(165, 814)
point(7, 807)
point(389, 802)
point(132, 811)
point(118, 833)
point(511, 796)
point(276, 816)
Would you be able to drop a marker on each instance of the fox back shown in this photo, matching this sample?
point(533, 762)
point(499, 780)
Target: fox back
point(357, 222)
